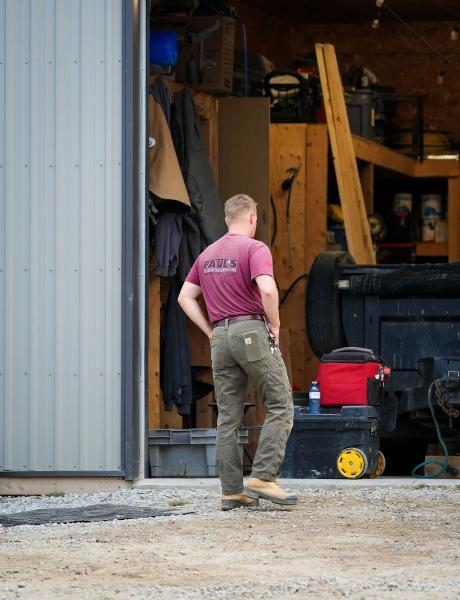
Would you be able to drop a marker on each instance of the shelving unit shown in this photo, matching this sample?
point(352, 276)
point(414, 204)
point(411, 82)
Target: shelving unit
point(371, 155)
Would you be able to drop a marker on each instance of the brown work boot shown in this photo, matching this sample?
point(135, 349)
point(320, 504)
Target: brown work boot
point(268, 490)
point(240, 500)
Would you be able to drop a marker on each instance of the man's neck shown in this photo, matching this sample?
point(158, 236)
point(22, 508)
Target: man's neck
point(239, 231)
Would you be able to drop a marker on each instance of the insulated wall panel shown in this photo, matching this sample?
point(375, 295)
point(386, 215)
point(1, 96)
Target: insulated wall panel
point(60, 235)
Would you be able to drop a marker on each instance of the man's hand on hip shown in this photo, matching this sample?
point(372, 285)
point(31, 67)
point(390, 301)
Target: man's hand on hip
point(275, 331)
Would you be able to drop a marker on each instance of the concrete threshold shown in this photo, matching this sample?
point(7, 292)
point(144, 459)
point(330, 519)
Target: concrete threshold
point(300, 484)
point(39, 486)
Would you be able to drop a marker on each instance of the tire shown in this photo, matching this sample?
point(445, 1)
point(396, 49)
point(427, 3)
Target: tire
point(323, 305)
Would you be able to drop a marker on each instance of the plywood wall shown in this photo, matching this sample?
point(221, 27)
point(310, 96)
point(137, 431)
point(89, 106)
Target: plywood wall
point(397, 58)
point(298, 243)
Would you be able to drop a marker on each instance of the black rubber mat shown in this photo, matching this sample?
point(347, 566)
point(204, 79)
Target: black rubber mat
point(85, 514)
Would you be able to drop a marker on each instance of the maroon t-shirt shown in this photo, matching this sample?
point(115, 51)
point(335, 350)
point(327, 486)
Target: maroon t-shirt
point(226, 270)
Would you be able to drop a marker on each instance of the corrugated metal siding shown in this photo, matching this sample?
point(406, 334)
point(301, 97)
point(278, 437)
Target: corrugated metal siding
point(60, 235)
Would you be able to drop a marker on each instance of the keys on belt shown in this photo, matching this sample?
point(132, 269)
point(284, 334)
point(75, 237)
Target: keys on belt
point(271, 338)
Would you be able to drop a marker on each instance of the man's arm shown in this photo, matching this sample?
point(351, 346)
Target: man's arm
point(188, 300)
point(269, 295)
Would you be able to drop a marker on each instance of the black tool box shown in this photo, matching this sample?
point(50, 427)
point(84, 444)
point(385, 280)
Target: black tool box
point(340, 443)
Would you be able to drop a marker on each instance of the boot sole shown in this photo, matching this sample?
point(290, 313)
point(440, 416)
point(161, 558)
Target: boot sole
point(231, 504)
point(256, 494)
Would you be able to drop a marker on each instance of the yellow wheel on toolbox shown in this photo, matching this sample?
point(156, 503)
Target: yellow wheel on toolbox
point(380, 467)
point(352, 463)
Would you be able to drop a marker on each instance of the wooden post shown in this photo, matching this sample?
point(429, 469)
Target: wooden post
point(316, 169)
point(153, 376)
point(453, 201)
point(366, 175)
point(315, 192)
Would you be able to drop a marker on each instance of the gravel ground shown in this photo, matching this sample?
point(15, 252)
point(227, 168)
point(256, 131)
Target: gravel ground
point(396, 543)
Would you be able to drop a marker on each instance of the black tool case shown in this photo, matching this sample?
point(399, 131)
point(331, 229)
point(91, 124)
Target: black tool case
point(317, 441)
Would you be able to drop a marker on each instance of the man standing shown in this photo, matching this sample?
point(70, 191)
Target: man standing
point(235, 276)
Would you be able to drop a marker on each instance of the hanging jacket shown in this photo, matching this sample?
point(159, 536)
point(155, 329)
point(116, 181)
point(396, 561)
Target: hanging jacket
point(168, 234)
point(165, 177)
point(175, 358)
point(207, 208)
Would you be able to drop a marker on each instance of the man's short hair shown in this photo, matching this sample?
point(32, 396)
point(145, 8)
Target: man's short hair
point(239, 205)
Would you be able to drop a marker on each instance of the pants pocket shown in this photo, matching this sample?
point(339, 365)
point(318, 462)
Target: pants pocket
point(253, 346)
point(217, 355)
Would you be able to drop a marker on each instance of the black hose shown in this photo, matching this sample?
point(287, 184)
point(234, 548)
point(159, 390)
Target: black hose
point(291, 287)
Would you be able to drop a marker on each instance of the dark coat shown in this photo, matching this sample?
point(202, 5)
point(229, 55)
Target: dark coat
point(207, 208)
point(175, 371)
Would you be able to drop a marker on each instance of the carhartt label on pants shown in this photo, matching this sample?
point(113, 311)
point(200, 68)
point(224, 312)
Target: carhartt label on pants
point(247, 341)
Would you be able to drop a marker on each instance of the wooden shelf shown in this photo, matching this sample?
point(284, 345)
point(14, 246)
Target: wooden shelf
point(384, 157)
point(431, 249)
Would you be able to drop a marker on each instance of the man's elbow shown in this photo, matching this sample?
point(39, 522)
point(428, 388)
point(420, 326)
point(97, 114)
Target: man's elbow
point(181, 299)
point(269, 294)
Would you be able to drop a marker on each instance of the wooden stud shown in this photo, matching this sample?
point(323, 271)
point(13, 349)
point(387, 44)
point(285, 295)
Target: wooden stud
point(366, 175)
point(453, 209)
point(381, 156)
point(316, 169)
point(315, 192)
point(431, 249)
point(153, 405)
point(436, 168)
point(170, 419)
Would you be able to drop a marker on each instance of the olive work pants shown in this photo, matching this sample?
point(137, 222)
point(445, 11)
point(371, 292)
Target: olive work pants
point(241, 352)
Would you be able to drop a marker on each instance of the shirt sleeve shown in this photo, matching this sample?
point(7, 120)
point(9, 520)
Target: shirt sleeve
point(260, 260)
point(194, 274)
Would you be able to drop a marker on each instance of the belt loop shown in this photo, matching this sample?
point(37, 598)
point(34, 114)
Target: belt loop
point(226, 323)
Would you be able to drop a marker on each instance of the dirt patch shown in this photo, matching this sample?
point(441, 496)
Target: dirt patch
point(368, 543)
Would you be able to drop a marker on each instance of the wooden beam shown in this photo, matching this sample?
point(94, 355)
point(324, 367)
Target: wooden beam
point(153, 386)
point(382, 156)
point(315, 192)
point(431, 249)
point(316, 169)
point(355, 218)
point(366, 175)
point(437, 168)
point(453, 210)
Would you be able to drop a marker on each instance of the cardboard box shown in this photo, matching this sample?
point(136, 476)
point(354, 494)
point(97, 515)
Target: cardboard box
point(217, 52)
point(454, 461)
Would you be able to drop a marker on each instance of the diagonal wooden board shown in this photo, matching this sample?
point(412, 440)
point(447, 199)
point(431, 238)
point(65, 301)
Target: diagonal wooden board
point(351, 195)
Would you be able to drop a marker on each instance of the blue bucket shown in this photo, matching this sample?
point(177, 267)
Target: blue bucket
point(163, 48)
